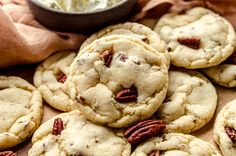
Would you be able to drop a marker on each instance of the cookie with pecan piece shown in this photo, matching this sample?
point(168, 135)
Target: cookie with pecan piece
point(49, 78)
point(198, 38)
point(118, 81)
point(21, 111)
point(225, 129)
point(175, 144)
point(71, 134)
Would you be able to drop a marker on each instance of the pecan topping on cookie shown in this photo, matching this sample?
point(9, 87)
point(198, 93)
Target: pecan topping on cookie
point(127, 95)
point(144, 130)
point(61, 77)
point(106, 57)
point(8, 153)
point(231, 133)
point(154, 153)
point(190, 42)
point(57, 126)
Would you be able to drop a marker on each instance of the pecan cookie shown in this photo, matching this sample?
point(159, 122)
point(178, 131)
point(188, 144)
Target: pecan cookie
point(49, 78)
point(225, 73)
point(71, 134)
point(197, 38)
point(21, 111)
point(118, 81)
point(136, 30)
point(190, 102)
point(225, 129)
point(175, 144)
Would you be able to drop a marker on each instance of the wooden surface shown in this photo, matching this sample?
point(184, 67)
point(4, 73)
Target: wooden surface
point(27, 71)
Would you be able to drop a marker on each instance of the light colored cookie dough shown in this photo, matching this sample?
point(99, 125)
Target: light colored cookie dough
point(49, 78)
point(176, 144)
point(20, 109)
point(79, 137)
point(223, 74)
point(217, 37)
point(136, 30)
point(95, 85)
point(190, 102)
point(226, 118)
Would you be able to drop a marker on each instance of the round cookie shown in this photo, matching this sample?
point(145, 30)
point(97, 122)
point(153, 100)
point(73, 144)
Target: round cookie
point(21, 111)
point(197, 38)
point(77, 137)
point(49, 78)
point(118, 80)
point(190, 102)
point(175, 144)
point(225, 129)
point(136, 30)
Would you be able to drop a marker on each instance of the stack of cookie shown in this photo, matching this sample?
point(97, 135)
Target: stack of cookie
point(121, 95)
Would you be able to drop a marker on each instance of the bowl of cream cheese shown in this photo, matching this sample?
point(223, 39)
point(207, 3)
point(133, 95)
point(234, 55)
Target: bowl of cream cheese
point(82, 16)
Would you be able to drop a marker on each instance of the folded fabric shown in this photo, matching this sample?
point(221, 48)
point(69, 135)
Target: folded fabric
point(23, 40)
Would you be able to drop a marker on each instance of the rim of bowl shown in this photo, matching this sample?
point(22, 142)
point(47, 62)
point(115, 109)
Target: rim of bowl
point(40, 5)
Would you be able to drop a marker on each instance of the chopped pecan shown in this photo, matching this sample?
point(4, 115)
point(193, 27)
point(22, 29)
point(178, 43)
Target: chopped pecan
point(231, 133)
point(190, 42)
point(61, 77)
point(106, 57)
point(154, 153)
point(123, 57)
point(127, 95)
point(8, 153)
point(144, 130)
point(57, 126)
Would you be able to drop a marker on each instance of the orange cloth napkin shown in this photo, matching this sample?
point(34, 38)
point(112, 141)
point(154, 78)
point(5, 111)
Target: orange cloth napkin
point(23, 40)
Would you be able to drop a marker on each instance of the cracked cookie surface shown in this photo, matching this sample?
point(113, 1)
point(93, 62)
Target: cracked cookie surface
point(118, 81)
point(176, 144)
point(21, 110)
point(136, 30)
point(226, 119)
point(198, 38)
point(190, 102)
point(49, 78)
point(78, 137)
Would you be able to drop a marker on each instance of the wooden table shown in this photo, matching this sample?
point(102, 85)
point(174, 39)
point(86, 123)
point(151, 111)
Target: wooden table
point(27, 71)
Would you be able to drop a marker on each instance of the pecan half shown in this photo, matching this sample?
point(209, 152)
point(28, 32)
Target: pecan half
point(154, 153)
point(106, 57)
point(190, 42)
point(127, 95)
point(61, 77)
point(57, 126)
point(231, 133)
point(8, 153)
point(144, 130)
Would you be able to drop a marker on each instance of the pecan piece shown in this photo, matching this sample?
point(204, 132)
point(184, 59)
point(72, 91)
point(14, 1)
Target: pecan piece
point(154, 153)
point(127, 95)
point(122, 57)
point(8, 153)
point(57, 126)
point(231, 133)
point(61, 77)
point(144, 130)
point(106, 57)
point(190, 42)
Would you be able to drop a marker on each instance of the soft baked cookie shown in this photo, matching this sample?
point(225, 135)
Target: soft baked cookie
point(225, 129)
point(71, 134)
point(198, 38)
point(175, 144)
point(136, 30)
point(21, 110)
point(50, 76)
point(118, 80)
point(225, 73)
point(190, 102)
